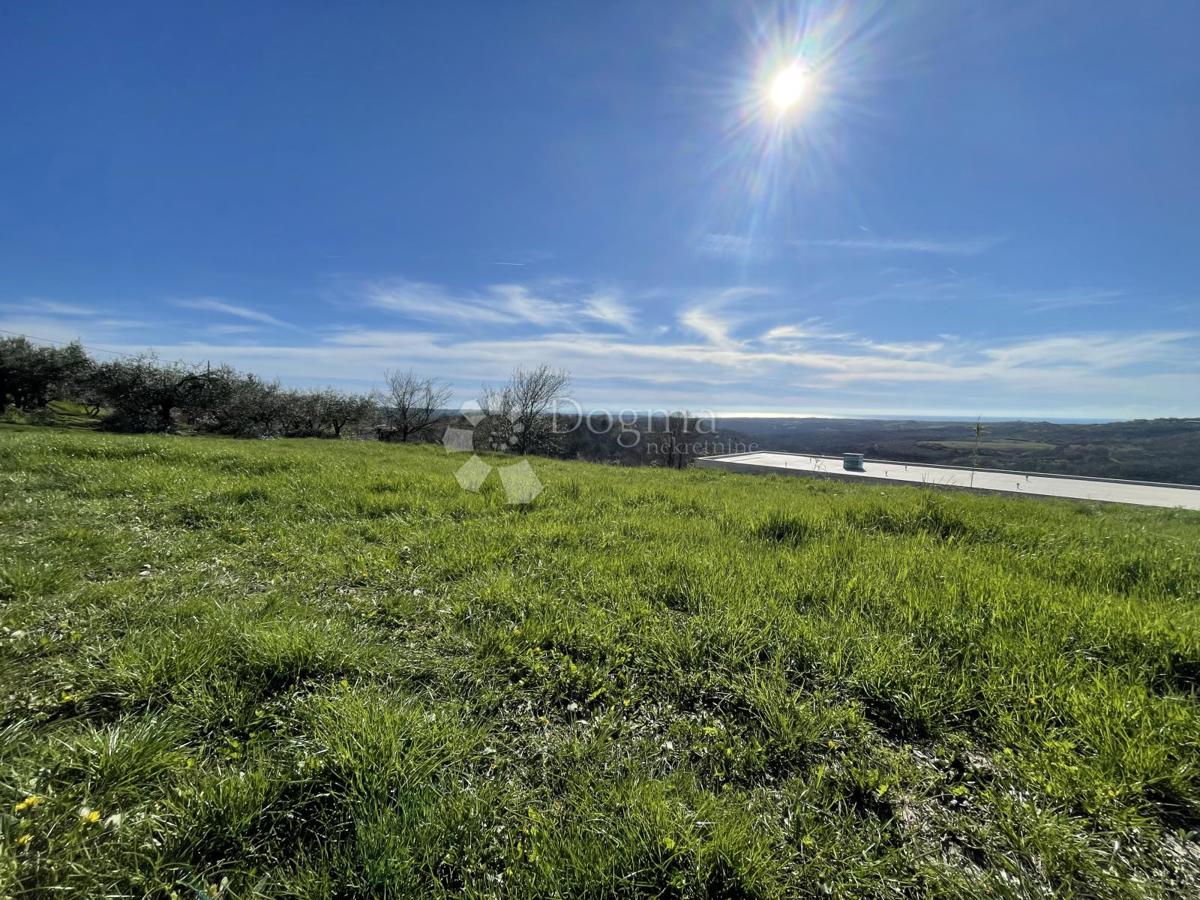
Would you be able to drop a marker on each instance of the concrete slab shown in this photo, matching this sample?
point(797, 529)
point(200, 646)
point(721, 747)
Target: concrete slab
point(1107, 490)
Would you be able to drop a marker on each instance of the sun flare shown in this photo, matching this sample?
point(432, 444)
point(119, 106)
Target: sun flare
point(789, 87)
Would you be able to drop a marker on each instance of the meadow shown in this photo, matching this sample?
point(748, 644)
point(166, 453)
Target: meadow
point(305, 668)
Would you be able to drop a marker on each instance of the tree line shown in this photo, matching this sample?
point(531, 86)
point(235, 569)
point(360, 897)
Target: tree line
point(147, 394)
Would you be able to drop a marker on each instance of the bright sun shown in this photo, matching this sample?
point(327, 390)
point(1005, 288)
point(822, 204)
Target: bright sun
point(788, 87)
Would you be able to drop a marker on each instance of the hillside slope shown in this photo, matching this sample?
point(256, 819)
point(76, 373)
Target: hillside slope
point(306, 668)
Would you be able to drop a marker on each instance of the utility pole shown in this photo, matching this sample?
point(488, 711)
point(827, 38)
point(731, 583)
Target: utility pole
point(978, 436)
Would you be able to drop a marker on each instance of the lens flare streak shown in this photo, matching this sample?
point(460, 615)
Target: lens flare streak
point(807, 73)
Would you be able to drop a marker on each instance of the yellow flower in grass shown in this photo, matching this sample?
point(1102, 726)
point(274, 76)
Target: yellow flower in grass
point(23, 840)
point(89, 815)
point(30, 802)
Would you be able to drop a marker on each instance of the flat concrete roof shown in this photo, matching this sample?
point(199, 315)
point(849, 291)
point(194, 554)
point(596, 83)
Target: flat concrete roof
point(1108, 490)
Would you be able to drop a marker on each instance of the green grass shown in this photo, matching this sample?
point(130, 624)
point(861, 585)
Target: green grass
point(319, 669)
point(60, 413)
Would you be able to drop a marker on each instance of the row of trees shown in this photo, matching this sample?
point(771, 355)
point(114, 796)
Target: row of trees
point(145, 393)
point(525, 415)
point(31, 376)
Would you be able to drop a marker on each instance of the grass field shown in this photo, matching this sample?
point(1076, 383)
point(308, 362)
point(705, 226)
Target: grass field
point(321, 669)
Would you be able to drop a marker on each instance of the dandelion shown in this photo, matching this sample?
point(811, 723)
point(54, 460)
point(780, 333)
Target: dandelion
point(30, 802)
point(23, 840)
point(89, 815)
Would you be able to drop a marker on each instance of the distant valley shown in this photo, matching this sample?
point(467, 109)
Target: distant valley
point(1165, 450)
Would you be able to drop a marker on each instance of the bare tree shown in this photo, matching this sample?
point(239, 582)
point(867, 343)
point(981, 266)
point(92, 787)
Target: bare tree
point(518, 414)
point(411, 404)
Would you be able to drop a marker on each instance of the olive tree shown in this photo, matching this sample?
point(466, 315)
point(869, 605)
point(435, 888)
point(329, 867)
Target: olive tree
point(143, 393)
point(31, 376)
point(338, 410)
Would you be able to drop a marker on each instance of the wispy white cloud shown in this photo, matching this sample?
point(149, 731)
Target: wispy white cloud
point(1026, 375)
point(937, 246)
point(421, 300)
point(212, 304)
point(609, 309)
point(1099, 351)
point(744, 248)
point(744, 347)
point(1071, 298)
point(717, 314)
point(722, 245)
point(498, 304)
point(712, 327)
point(551, 304)
point(809, 329)
point(124, 324)
point(231, 329)
point(39, 306)
point(787, 333)
point(907, 350)
point(525, 306)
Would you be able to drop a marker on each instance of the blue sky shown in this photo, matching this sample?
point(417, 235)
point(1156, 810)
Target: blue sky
point(974, 208)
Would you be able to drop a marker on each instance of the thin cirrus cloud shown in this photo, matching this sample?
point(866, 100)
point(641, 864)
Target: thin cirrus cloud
point(223, 329)
point(496, 304)
point(211, 304)
point(736, 246)
point(709, 325)
point(431, 302)
point(807, 366)
point(933, 246)
point(760, 346)
point(744, 248)
point(716, 315)
point(1067, 299)
point(610, 310)
point(811, 329)
point(49, 308)
point(1060, 371)
point(1101, 351)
